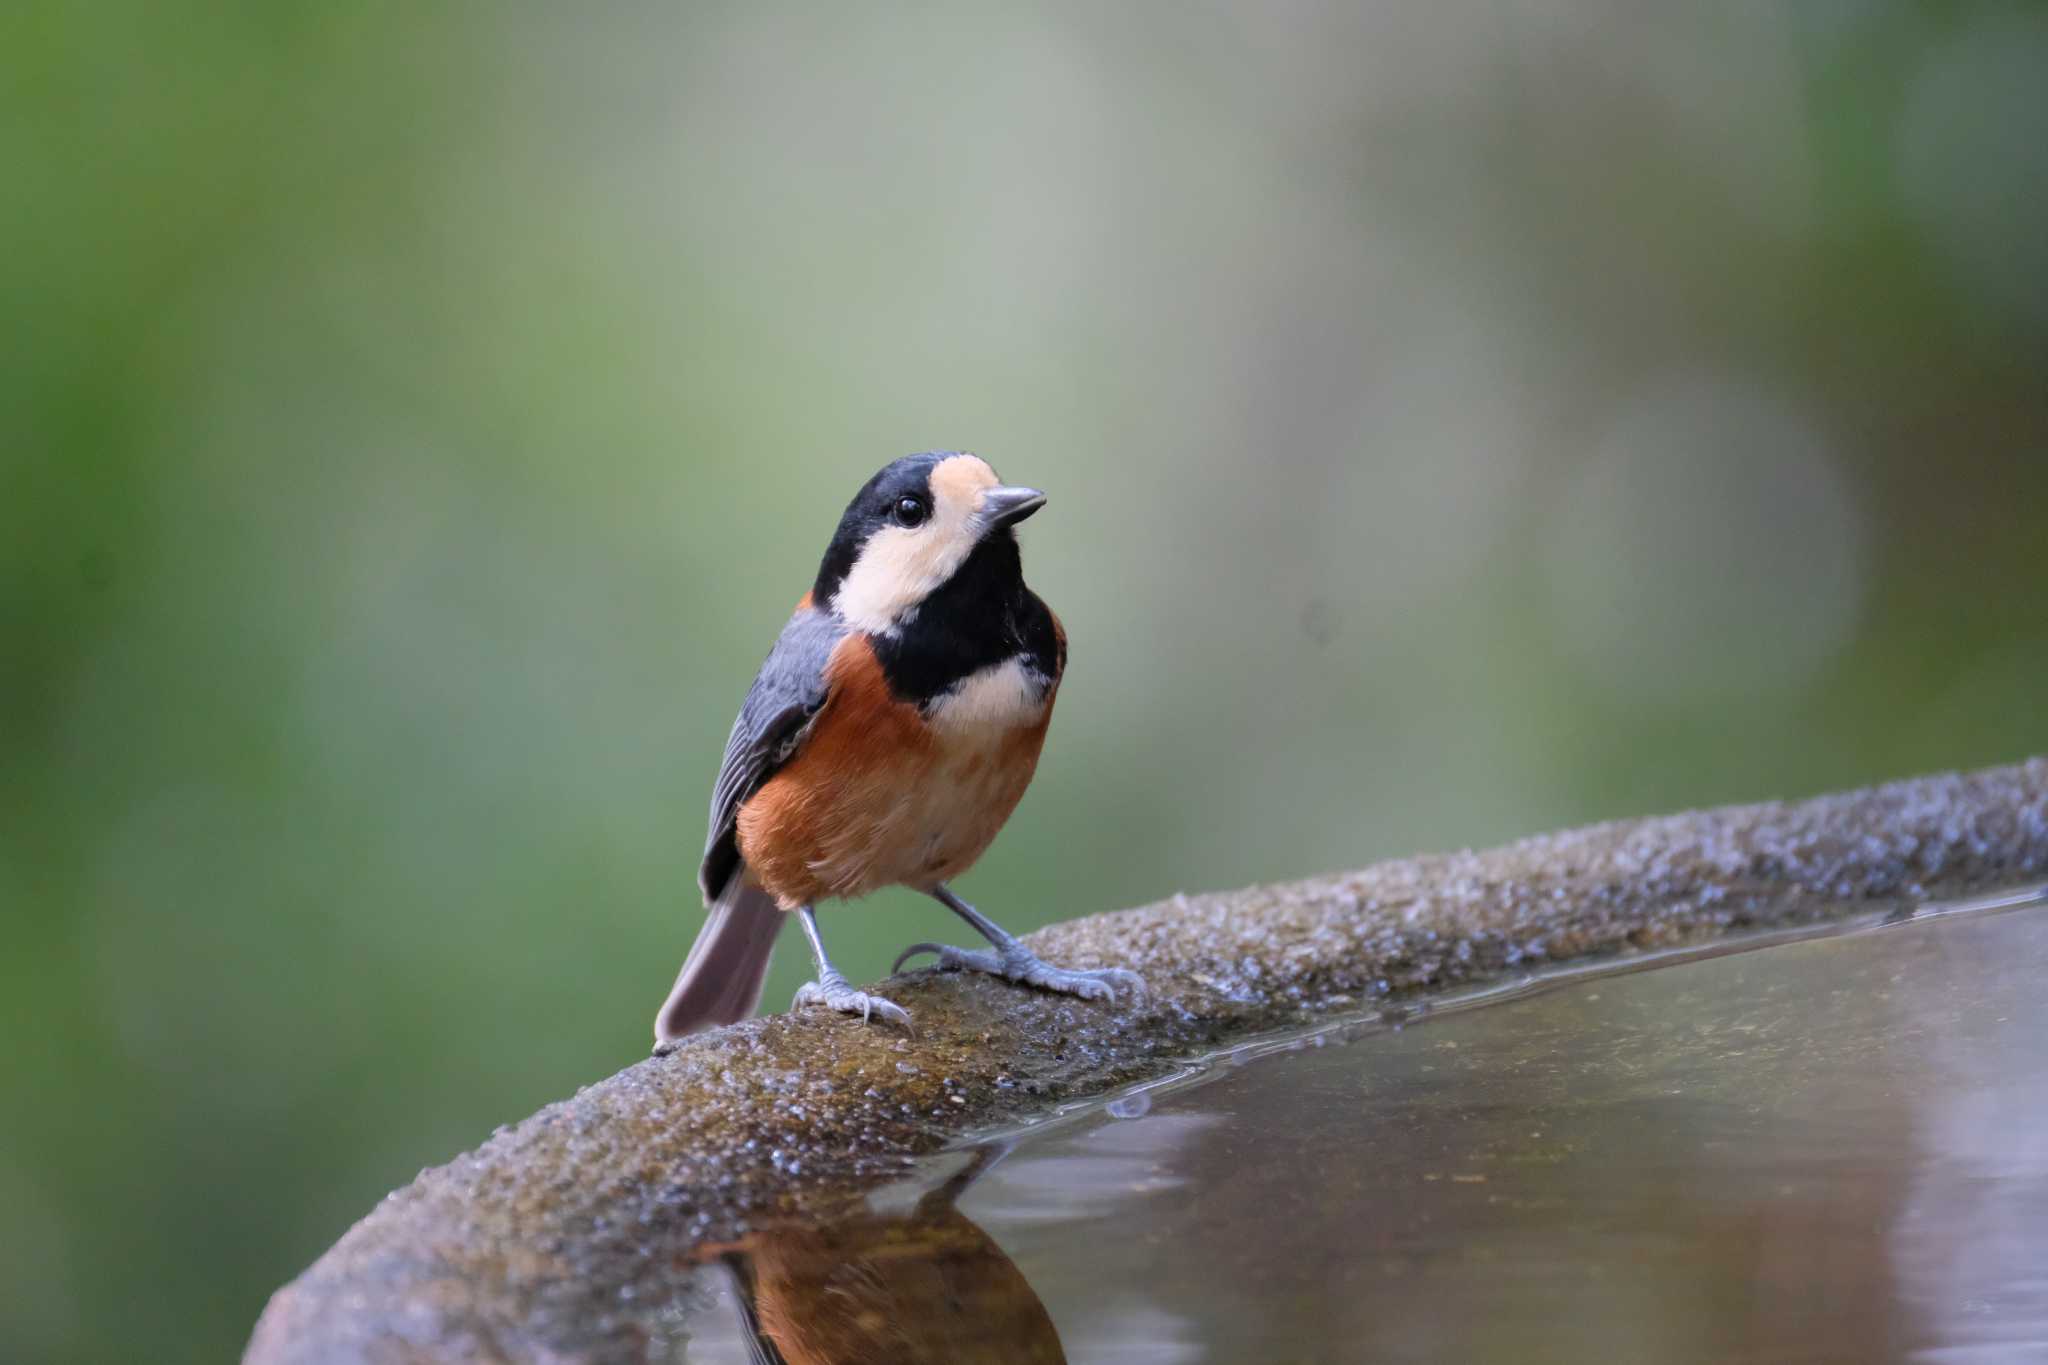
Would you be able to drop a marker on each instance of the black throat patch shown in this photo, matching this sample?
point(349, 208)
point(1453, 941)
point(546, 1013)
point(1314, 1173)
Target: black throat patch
point(982, 616)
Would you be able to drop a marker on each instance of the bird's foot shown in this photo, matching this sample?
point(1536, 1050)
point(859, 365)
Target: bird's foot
point(1015, 962)
point(834, 992)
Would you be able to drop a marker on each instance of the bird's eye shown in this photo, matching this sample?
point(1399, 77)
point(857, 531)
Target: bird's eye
point(911, 511)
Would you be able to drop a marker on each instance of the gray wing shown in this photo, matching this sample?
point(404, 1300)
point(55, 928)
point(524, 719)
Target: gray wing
point(772, 723)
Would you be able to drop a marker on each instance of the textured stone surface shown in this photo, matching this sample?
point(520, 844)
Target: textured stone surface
point(534, 1246)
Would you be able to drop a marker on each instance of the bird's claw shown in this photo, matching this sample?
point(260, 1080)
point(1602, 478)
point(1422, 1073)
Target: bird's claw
point(836, 994)
point(914, 949)
point(1018, 963)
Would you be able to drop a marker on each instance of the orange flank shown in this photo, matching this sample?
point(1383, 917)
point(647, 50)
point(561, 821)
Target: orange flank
point(878, 796)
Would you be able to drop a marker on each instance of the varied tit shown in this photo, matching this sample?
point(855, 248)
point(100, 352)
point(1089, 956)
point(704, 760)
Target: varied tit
point(889, 735)
point(927, 1287)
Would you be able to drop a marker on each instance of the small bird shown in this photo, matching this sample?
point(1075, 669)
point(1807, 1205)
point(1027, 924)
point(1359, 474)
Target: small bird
point(926, 1287)
point(889, 735)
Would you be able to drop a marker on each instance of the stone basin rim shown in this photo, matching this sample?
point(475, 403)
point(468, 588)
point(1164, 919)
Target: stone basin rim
point(524, 1248)
point(1362, 1024)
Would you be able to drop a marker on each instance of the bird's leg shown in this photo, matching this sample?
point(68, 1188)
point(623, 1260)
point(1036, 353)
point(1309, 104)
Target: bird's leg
point(833, 991)
point(1010, 959)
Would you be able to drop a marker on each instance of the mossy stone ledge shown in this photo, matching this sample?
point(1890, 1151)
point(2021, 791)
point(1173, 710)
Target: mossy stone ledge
point(534, 1246)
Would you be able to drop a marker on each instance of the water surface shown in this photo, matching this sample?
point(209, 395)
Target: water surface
point(1826, 1150)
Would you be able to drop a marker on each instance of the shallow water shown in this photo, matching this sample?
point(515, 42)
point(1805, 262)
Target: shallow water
point(1827, 1150)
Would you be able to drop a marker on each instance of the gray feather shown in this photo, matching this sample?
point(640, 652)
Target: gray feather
point(720, 982)
point(773, 720)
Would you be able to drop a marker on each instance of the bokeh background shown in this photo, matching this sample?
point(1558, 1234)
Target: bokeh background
point(417, 420)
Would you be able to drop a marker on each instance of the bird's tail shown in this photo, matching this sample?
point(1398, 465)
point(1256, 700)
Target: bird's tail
point(720, 982)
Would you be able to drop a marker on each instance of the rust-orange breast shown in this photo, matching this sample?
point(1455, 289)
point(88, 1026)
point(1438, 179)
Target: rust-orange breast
point(883, 794)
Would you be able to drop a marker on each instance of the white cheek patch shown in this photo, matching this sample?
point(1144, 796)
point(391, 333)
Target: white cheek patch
point(901, 566)
point(1005, 696)
point(898, 568)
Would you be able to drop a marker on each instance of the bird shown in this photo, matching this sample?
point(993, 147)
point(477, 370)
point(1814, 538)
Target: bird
point(892, 730)
point(929, 1285)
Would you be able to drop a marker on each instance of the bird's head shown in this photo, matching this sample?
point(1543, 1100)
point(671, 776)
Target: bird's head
point(911, 529)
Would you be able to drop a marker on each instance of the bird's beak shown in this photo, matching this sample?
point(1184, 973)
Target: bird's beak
point(1008, 506)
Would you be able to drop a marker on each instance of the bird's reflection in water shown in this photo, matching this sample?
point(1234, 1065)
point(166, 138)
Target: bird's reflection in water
point(926, 1285)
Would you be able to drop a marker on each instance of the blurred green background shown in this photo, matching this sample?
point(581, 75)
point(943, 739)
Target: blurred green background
point(1460, 421)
